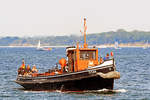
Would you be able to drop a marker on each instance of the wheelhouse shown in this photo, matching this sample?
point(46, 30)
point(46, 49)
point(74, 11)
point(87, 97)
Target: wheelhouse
point(81, 58)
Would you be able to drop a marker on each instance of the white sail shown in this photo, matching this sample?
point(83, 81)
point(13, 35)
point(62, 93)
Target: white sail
point(146, 45)
point(39, 45)
point(116, 45)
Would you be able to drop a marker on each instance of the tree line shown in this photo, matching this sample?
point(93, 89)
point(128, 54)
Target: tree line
point(121, 36)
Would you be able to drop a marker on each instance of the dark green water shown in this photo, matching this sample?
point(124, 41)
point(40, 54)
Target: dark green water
point(133, 63)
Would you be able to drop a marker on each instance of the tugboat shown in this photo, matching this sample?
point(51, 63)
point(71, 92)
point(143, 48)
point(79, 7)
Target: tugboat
point(83, 70)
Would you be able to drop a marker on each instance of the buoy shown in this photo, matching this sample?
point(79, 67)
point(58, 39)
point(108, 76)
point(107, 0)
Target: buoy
point(112, 54)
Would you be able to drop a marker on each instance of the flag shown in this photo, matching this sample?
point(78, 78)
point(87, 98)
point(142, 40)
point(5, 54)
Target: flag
point(81, 32)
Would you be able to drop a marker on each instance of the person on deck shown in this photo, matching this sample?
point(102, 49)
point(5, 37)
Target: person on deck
point(21, 69)
point(28, 69)
point(34, 70)
point(101, 60)
point(107, 57)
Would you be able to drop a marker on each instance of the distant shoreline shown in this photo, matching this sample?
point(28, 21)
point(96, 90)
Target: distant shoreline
point(132, 45)
point(32, 46)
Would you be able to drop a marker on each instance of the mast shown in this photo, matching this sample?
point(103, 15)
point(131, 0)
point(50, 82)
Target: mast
point(85, 28)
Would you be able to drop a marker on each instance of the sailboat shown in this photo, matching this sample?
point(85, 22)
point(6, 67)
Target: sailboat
point(116, 45)
point(145, 45)
point(42, 48)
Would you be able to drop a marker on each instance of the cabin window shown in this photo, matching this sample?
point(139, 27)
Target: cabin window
point(87, 55)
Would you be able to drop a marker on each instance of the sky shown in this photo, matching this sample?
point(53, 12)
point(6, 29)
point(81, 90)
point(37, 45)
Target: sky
point(65, 17)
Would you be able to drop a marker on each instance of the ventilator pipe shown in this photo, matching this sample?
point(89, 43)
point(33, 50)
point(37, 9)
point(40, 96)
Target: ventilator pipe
point(62, 62)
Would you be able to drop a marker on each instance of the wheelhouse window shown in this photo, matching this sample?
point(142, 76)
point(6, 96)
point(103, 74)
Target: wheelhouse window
point(88, 54)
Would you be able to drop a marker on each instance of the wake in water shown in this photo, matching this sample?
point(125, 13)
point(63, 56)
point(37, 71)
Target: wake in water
point(102, 91)
point(113, 91)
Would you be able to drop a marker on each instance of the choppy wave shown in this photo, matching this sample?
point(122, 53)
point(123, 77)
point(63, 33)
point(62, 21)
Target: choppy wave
point(106, 91)
point(120, 90)
point(95, 91)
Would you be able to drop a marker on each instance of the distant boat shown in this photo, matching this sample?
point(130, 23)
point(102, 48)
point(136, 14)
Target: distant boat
point(116, 45)
point(145, 45)
point(42, 48)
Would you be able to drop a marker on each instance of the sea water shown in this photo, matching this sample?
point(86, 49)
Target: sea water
point(132, 63)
